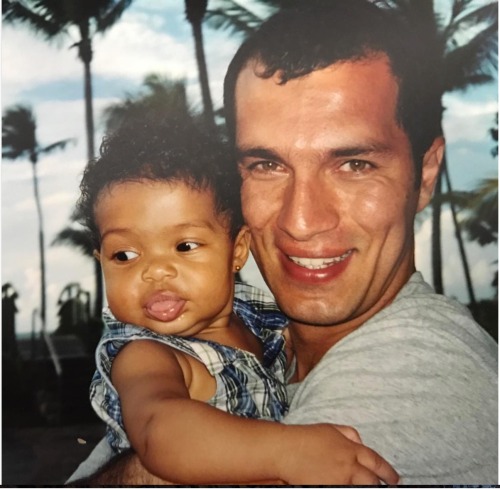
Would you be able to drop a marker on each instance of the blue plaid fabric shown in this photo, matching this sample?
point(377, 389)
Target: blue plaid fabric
point(245, 386)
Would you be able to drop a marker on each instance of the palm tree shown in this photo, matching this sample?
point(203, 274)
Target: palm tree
point(481, 222)
point(19, 141)
point(480, 207)
point(159, 96)
point(54, 18)
point(195, 12)
point(464, 48)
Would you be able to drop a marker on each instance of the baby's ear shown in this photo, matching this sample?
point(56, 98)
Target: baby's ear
point(241, 249)
point(97, 255)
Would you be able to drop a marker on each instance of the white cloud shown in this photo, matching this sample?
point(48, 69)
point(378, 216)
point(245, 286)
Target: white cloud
point(20, 49)
point(480, 260)
point(131, 50)
point(466, 120)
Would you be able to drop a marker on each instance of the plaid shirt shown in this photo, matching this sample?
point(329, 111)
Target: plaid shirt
point(245, 386)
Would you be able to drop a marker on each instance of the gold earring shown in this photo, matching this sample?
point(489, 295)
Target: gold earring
point(238, 268)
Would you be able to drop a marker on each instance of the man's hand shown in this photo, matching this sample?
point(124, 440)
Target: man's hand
point(124, 469)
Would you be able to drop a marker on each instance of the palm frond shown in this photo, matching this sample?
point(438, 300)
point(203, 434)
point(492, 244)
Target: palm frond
point(482, 221)
point(159, 95)
point(57, 145)
point(76, 238)
point(458, 7)
point(111, 16)
point(18, 132)
point(486, 15)
point(473, 63)
point(19, 135)
point(40, 19)
point(237, 19)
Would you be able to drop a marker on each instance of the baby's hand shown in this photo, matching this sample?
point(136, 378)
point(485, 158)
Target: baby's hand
point(321, 455)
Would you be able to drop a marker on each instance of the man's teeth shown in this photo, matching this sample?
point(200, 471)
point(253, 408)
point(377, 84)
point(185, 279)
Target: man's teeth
point(318, 263)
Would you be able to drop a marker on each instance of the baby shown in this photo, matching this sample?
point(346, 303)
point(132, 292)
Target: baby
point(163, 208)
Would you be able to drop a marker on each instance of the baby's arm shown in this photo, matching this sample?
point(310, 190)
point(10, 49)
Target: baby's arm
point(187, 441)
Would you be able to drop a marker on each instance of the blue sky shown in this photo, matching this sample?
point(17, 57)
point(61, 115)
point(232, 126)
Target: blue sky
point(153, 37)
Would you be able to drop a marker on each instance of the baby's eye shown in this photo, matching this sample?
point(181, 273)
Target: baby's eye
point(187, 246)
point(125, 255)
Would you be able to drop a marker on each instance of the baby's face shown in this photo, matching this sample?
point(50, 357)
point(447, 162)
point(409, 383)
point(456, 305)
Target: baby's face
point(167, 258)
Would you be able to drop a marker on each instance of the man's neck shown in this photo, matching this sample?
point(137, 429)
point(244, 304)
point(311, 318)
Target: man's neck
point(310, 343)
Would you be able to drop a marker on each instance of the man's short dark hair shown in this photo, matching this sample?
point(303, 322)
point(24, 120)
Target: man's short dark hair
point(166, 150)
point(309, 35)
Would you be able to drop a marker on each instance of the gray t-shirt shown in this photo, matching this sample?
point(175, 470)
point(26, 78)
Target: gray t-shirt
point(419, 383)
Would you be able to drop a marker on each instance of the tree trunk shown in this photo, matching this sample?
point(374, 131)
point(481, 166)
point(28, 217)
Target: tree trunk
point(86, 57)
point(43, 301)
point(99, 290)
point(85, 54)
point(437, 264)
point(195, 11)
point(461, 247)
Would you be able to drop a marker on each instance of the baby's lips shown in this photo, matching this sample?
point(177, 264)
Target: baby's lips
point(165, 306)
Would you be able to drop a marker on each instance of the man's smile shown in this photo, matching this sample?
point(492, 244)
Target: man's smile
point(319, 263)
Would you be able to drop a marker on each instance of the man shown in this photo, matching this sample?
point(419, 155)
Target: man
point(336, 125)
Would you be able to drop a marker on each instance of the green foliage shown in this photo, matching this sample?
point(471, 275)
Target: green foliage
point(52, 18)
point(19, 135)
point(237, 18)
point(158, 97)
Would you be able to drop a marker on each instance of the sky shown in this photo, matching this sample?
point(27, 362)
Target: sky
point(153, 37)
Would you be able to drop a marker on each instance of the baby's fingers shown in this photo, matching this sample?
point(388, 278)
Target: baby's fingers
point(349, 432)
point(378, 466)
point(364, 477)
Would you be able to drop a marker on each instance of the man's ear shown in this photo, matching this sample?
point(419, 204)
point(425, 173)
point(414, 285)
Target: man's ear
point(431, 165)
point(97, 255)
point(241, 249)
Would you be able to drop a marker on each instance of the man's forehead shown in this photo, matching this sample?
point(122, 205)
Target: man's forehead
point(255, 75)
point(357, 77)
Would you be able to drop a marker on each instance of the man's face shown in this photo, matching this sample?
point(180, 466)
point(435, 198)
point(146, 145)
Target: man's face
point(328, 189)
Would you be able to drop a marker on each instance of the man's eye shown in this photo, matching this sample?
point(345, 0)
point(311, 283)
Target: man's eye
point(264, 166)
point(187, 246)
point(262, 170)
point(125, 255)
point(356, 166)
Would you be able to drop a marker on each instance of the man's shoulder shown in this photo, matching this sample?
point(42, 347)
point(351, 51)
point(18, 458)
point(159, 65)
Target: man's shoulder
point(423, 325)
point(418, 310)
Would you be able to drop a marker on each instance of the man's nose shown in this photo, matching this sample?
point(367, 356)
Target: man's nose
point(309, 208)
point(158, 269)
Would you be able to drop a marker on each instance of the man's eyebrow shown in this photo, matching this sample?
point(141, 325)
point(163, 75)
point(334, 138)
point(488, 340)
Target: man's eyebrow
point(257, 152)
point(360, 150)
